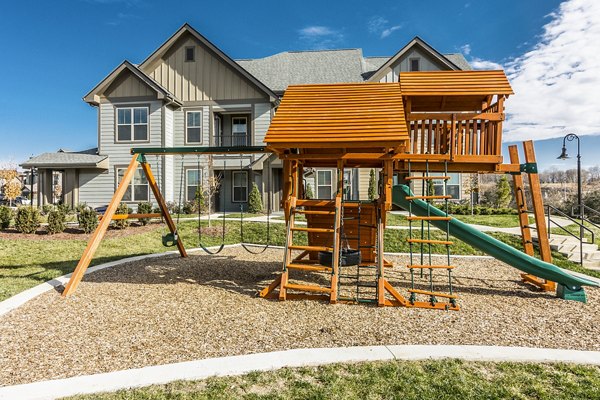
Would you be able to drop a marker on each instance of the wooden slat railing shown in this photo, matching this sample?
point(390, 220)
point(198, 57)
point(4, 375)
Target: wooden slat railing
point(474, 135)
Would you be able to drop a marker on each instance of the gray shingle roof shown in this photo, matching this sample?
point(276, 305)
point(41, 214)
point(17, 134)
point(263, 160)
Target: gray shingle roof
point(300, 67)
point(320, 66)
point(66, 159)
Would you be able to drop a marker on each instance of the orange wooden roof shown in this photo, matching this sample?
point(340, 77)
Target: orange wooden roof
point(339, 115)
point(454, 83)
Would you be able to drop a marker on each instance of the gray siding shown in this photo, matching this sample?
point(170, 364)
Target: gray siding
point(402, 65)
point(168, 161)
point(262, 120)
point(97, 189)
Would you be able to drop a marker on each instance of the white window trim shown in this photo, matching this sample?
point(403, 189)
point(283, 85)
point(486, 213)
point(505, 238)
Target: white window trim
point(132, 124)
point(187, 183)
point(117, 182)
point(324, 185)
point(186, 141)
point(233, 186)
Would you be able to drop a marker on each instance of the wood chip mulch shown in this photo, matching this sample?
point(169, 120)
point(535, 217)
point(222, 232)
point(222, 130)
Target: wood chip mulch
point(169, 309)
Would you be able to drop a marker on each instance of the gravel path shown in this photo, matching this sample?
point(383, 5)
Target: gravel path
point(170, 309)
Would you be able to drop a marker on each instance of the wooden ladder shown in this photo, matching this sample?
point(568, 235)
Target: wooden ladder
point(304, 264)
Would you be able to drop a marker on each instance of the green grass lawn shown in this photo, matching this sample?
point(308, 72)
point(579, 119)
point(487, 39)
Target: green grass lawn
point(574, 229)
point(25, 263)
point(406, 380)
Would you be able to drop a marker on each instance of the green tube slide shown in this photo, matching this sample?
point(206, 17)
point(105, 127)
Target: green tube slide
point(569, 286)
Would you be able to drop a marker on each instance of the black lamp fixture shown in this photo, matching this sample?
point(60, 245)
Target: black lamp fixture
point(563, 156)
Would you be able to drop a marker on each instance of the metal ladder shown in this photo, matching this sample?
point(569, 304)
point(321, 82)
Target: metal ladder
point(425, 243)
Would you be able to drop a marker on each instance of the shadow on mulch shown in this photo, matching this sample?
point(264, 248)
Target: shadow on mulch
point(74, 233)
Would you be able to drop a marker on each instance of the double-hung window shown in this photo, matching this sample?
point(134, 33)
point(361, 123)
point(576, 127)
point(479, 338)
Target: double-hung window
point(193, 183)
point(452, 187)
point(324, 184)
point(138, 189)
point(239, 131)
point(193, 130)
point(240, 186)
point(132, 124)
point(415, 64)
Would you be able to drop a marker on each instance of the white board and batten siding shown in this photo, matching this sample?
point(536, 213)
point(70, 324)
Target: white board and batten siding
point(98, 189)
point(426, 63)
point(262, 120)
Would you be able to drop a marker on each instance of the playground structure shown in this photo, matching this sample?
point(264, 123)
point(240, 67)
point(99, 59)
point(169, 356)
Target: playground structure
point(415, 131)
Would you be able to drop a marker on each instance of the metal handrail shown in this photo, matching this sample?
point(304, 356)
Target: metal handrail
point(585, 208)
point(231, 140)
point(582, 227)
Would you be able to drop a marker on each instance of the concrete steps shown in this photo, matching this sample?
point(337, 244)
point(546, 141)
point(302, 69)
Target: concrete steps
point(570, 248)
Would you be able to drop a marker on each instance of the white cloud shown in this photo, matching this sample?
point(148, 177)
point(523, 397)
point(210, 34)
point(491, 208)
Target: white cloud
point(466, 49)
point(380, 26)
point(320, 37)
point(558, 81)
point(478, 63)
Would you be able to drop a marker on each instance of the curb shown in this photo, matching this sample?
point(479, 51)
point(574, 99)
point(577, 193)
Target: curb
point(238, 365)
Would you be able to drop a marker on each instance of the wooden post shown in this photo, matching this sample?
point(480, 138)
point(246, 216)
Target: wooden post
point(96, 238)
point(519, 191)
point(538, 211)
point(380, 262)
point(163, 207)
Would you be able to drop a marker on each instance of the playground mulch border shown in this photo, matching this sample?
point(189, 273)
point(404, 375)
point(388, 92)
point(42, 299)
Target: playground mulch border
point(169, 309)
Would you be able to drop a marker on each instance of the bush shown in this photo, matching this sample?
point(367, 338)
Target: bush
point(503, 193)
point(64, 208)
point(46, 208)
point(144, 207)
point(123, 208)
point(372, 192)
point(255, 204)
point(80, 207)
point(172, 207)
point(87, 219)
point(27, 219)
point(309, 194)
point(56, 222)
point(6, 215)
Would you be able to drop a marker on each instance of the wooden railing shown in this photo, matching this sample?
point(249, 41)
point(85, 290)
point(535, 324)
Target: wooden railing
point(467, 136)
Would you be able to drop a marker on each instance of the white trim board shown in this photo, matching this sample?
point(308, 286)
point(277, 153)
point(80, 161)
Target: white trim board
point(239, 365)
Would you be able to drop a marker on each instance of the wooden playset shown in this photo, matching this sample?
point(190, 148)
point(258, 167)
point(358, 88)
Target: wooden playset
point(418, 130)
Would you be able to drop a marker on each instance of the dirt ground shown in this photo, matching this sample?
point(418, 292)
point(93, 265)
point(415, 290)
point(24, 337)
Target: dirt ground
point(170, 309)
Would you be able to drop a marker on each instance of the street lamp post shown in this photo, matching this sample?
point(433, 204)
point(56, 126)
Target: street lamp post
point(563, 156)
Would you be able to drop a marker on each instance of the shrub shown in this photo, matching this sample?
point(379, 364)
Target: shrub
point(503, 193)
point(255, 204)
point(46, 208)
point(172, 207)
point(80, 207)
point(144, 207)
point(189, 207)
point(87, 219)
point(64, 208)
point(123, 208)
point(372, 185)
point(56, 222)
point(27, 219)
point(6, 215)
point(309, 194)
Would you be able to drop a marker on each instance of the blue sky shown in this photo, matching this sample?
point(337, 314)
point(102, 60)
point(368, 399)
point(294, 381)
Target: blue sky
point(55, 51)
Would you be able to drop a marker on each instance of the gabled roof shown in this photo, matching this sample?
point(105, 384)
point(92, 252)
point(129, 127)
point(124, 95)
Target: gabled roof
point(93, 97)
point(66, 159)
point(417, 41)
point(357, 115)
point(454, 83)
point(307, 67)
point(186, 28)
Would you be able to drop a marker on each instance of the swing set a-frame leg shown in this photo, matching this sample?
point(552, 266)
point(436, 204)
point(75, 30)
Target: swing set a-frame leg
point(104, 223)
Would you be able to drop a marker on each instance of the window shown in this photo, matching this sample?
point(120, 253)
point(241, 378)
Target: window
point(138, 189)
point(324, 184)
point(193, 127)
point(452, 186)
point(132, 124)
point(240, 186)
point(348, 184)
point(414, 64)
point(190, 53)
point(193, 181)
point(239, 131)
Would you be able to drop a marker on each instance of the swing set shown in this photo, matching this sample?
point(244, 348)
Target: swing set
point(171, 238)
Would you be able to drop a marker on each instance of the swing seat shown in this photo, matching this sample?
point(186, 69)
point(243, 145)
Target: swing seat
point(348, 257)
point(169, 239)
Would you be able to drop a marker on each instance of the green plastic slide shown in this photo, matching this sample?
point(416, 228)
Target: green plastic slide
point(569, 285)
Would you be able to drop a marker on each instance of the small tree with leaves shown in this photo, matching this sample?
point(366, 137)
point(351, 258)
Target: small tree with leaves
point(503, 193)
point(372, 185)
point(309, 194)
point(255, 204)
point(213, 185)
point(12, 190)
point(430, 188)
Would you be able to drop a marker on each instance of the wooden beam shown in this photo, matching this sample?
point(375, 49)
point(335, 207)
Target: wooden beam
point(163, 207)
point(98, 234)
point(521, 201)
point(132, 216)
